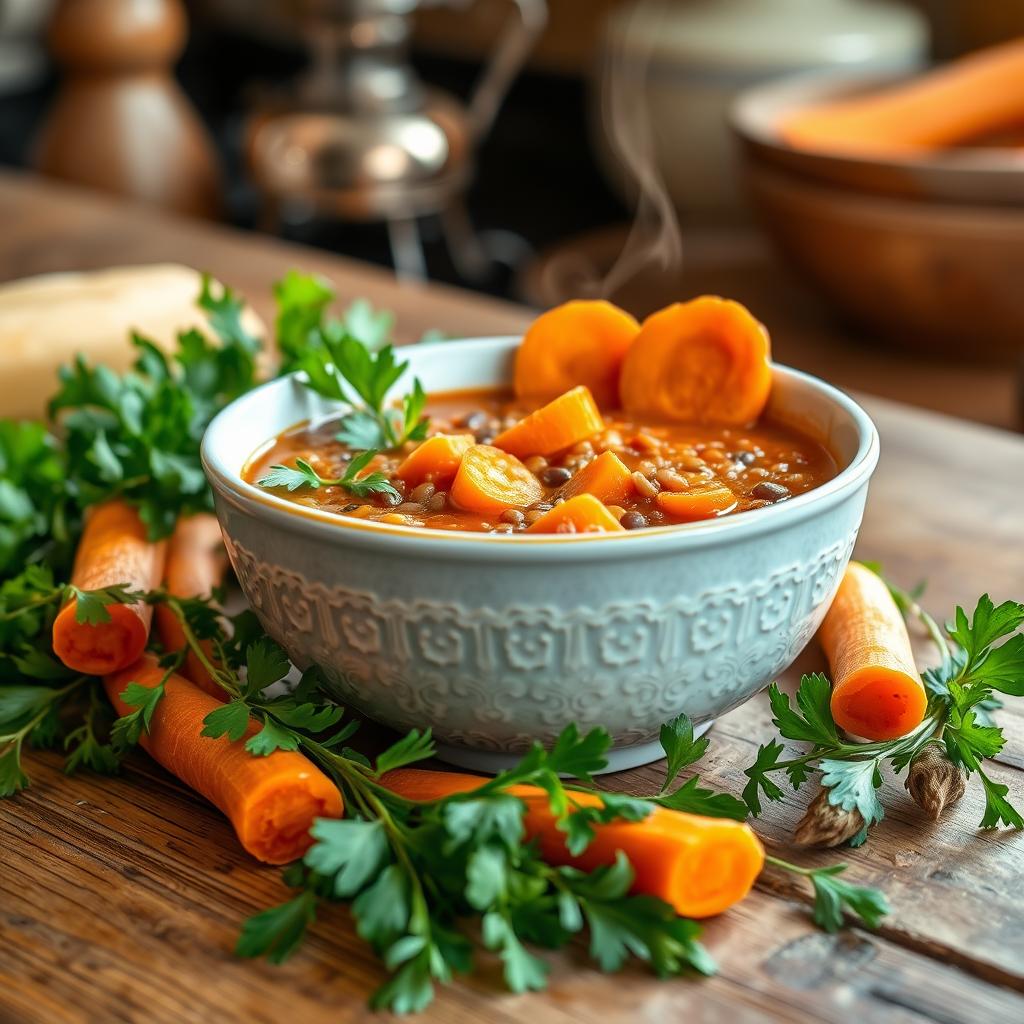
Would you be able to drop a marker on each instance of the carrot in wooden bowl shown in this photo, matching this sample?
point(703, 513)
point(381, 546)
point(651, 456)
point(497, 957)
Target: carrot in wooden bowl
point(196, 563)
point(582, 514)
point(490, 480)
point(580, 342)
point(876, 689)
point(697, 502)
point(703, 361)
point(700, 866)
point(113, 549)
point(271, 801)
point(980, 93)
point(436, 459)
point(607, 478)
point(570, 418)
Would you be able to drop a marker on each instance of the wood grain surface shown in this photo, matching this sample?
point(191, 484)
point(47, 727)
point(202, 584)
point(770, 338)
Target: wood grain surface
point(120, 899)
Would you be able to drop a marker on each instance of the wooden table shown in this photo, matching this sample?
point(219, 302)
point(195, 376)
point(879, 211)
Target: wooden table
point(120, 898)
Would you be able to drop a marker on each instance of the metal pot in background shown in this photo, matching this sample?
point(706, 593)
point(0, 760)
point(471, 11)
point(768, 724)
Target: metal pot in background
point(696, 56)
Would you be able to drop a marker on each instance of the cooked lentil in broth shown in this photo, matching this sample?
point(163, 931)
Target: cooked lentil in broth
point(760, 466)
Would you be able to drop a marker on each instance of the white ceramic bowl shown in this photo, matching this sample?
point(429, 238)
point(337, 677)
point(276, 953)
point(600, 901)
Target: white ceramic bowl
point(494, 641)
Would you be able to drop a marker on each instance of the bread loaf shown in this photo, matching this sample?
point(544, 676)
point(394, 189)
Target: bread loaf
point(46, 321)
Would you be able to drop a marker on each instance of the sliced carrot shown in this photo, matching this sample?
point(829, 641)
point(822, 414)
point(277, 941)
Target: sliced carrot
point(607, 478)
point(195, 567)
point(696, 503)
point(876, 689)
point(703, 361)
point(563, 422)
point(490, 480)
point(982, 92)
point(113, 549)
point(271, 801)
point(582, 514)
point(700, 866)
point(436, 459)
point(580, 342)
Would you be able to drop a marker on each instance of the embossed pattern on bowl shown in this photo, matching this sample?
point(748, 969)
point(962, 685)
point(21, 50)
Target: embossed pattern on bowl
point(496, 641)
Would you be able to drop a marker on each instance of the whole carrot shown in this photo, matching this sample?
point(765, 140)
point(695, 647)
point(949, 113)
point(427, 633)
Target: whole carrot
point(195, 567)
point(113, 549)
point(877, 692)
point(271, 801)
point(700, 866)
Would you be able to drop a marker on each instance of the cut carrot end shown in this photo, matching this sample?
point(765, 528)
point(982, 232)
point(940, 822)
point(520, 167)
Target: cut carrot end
point(105, 647)
point(697, 504)
point(274, 826)
point(879, 704)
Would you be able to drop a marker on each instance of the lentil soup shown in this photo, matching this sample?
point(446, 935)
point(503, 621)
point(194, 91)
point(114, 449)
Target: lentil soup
point(629, 472)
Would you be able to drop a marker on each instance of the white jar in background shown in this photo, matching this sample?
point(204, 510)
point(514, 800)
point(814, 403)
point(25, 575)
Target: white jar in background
point(694, 56)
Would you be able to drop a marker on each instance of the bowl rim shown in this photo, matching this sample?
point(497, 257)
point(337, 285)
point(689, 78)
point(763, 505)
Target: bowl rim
point(423, 541)
point(821, 85)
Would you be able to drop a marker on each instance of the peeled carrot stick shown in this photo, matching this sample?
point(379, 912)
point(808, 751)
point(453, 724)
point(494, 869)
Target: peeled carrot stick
point(607, 478)
point(490, 481)
point(582, 514)
point(271, 801)
point(696, 503)
point(700, 866)
point(436, 459)
point(580, 342)
point(564, 421)
point(703, 361)
point(876, 689)
point(113, 549)
point(979, 93)
point(195, 568)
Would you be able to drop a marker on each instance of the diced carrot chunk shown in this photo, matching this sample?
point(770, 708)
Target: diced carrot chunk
point(563, 422)
point(696, 503)
point(436, 459)
point(582, 514)
point(490, 480)
point(607, 478)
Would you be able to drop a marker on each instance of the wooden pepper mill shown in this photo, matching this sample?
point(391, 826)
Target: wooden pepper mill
point(121, 123)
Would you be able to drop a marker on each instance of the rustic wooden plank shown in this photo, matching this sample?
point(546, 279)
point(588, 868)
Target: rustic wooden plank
point(115, 906)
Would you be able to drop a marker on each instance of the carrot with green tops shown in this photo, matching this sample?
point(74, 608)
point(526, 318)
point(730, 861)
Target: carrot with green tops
point(113, 549)
point(697, 502)
point(579, 342)
point(566, 420)
point(271, 801)
point(699, 866)
point(436, 459)
point(877, 691)
point(582, 514)
point(607, 478)
point(703, 361)
point(195, 567)
point(982, 92)
point(490, 480)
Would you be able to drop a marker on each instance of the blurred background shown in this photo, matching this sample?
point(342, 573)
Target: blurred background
point(537, 150)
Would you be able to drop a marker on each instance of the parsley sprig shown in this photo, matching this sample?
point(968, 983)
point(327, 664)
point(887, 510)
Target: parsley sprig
point(963, 689)
point(302, 474)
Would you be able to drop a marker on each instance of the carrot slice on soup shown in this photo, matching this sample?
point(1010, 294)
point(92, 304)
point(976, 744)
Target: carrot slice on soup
point(582, 514)
point(699, 866)
point(696, 503)
point(877, 692)
point(569, 419)
point(704, 361)
point(436, 459)
point(607, 478)
point(580, 342)
point(490, 480)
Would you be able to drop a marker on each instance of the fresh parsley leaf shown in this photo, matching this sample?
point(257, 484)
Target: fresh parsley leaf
point(278, 932)
point(523, 971)
point(372, 327)
point(693, 799)
point(853, 784)
point(91, 605)
point(414, 746)
point(362, 430)
point(302, 475)
point(231, 720)
point(1002, 668)
point(681, 749)
point(988, 624)
point(813, 723)
point(12, 778)
point(382, 909)
point(768, 758)
point(270, 738)
point(834, 897)
point(351, 852)
point(998, 810)
point(265, 663)
point(127, 730)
